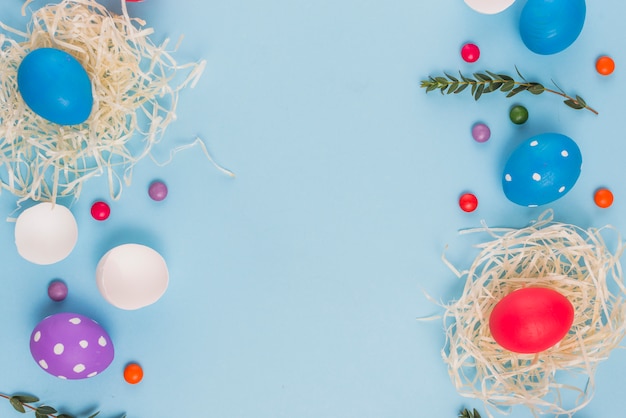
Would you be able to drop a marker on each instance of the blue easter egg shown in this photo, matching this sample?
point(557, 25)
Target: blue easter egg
point(55, 86)
point(550, 26)
point(541, 170)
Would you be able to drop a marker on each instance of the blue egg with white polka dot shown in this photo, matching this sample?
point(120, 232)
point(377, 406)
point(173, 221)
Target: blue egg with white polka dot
point(541, 169)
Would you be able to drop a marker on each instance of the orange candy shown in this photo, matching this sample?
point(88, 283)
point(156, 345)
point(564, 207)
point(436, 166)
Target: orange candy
point(605, 65)
point(603, 198)
point(133, 373)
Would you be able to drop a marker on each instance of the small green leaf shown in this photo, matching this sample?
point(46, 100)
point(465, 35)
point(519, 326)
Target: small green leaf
point(441, 80)
point(519, 74)
point(482, 77)
point(45, 410)
point(516, 90)
point(574, 105)
point(467, 80)
point(453, 87)
point(26, 398)
point(493, 75)
point(536, 88)
point(65, 416)
point(507, 86)
point(17, 404)
point(476, 414)
point(479, 91)
point(474, 87)
point(494, 86)
point(505, 77)
point(461, 88)
point(94, 414)
point(456, 80)
point(581, 101)
point(431, 87)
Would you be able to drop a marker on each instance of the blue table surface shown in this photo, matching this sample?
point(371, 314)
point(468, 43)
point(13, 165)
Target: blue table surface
point(295, 287)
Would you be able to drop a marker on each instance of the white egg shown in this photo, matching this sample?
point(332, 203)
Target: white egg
point(45, 233)
point(489, 7)
point(132, 276)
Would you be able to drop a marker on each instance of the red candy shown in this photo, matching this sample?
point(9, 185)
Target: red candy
point(468, 202)
point(100, 211)
point(470, 53)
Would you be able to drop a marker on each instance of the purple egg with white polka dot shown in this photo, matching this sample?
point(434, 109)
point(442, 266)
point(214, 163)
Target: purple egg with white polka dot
point(71, 346)
point(541, 170)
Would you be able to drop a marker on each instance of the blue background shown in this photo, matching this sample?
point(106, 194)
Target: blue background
point(296, 286)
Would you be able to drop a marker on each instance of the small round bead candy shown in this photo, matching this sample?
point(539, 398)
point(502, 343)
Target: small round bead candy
point(481, 132)
point(100, 211)
point(133, 373)
point(603, 198)
point(470, 52)
point(518, 114)
point(157, 190)
point(468, 202)
point(57, 290)
point(605, 65)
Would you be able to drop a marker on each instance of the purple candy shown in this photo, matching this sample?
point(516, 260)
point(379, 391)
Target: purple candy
point(71, 346)
point(57, 290)
point(157, 190)
point(481, 132)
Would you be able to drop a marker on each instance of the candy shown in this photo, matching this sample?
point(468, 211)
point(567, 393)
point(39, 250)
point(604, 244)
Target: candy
point(603, 198)
point(157, 190)
point(518, 114)
point(133, 373)
point(470, 52)
point(468, 202)
point(100, 211)
point(481, 132)
point(605, 65)
point(57, 290)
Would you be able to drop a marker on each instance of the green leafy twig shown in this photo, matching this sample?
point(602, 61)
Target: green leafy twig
point(23, 402)
point(487, 82)
point(466, 413)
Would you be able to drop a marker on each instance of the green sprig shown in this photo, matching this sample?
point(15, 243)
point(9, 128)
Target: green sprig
point(487, 82)
point(466, 413)
point(23, 402)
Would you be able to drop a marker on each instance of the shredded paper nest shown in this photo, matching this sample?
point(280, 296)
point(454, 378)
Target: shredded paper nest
point(134, 90)
point(571, 260)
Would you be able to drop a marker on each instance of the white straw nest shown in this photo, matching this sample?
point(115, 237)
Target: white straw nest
point(134, 97)
point(573, 261)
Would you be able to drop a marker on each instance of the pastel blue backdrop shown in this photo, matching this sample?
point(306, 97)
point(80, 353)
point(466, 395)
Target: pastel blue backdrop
point(296, 286)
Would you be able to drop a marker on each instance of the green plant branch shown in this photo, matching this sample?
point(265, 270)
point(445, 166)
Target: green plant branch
point(23, 402)
point(487, 82)
point(466, 413)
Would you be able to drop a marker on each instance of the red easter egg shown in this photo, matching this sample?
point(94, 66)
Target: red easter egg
point(531, 320)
